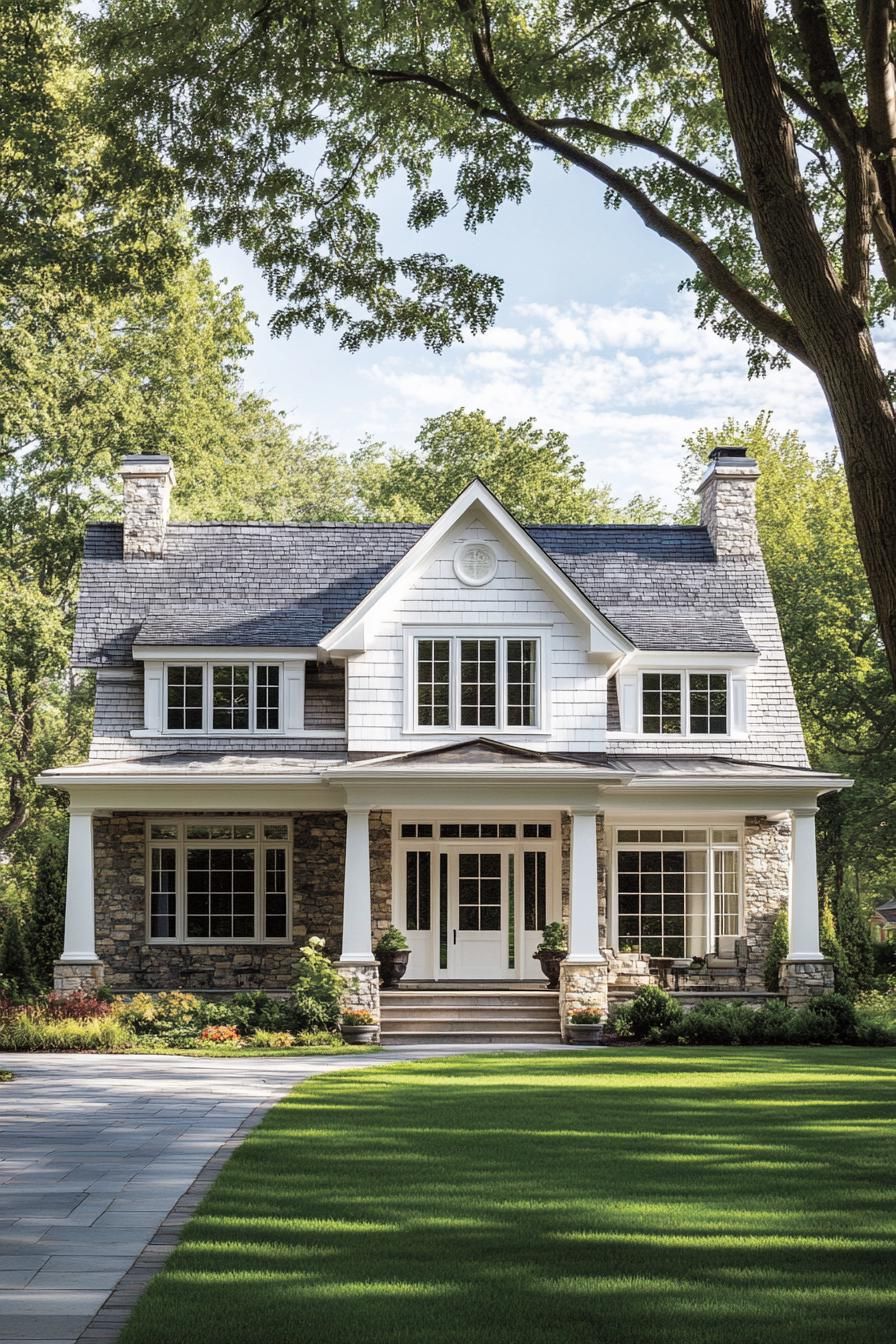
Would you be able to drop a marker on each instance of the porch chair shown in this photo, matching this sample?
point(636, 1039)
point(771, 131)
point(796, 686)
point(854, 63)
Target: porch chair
point(729, 961)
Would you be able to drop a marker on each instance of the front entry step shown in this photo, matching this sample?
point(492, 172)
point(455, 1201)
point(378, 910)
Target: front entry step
point(473, 1016)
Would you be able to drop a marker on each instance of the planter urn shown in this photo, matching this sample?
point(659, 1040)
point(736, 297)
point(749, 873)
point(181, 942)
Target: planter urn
point(392, 966)
point(550, 964)
point(358, 1033)
point(585, 1033)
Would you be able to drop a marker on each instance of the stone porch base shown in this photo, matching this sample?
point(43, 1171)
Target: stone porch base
point(802, 980)
point(583, 988)
point(71, 975)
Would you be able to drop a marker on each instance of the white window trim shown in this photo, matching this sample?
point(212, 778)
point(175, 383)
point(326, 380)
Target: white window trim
point(685, 673)
point(454, 634)
point(180, 844)
point(207, 681)
point(708, 847)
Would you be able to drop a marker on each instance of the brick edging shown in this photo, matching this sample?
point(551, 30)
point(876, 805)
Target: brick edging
point(109, 1321)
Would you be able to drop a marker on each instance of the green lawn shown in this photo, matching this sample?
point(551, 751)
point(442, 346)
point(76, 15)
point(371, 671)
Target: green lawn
point(627, 1196)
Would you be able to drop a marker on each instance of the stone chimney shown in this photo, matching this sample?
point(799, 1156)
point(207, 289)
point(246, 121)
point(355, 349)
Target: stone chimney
point(148, 482)
point(728, 502)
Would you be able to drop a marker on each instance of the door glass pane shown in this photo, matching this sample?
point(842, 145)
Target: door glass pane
point(479, 892)
point(725, 892)
point(443, 912)
point(417, 890)
point(535, 889)
point(511, 914)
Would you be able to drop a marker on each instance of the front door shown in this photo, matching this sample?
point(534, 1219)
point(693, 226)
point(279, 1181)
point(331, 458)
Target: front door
point(478, 937)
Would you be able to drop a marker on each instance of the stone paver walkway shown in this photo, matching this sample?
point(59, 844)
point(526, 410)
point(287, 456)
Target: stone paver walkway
point(95, 1151)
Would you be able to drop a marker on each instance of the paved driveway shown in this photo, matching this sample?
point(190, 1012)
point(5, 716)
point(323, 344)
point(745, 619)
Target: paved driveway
point(95, 1151)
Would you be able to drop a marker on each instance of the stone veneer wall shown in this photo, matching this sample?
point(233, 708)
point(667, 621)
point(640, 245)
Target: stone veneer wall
point(766, 878)
point(319, 854)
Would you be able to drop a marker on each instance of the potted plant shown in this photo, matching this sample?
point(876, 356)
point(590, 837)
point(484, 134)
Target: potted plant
point(585, 1027)
point(392, 952)
point(358, 1027)
point(551, 951)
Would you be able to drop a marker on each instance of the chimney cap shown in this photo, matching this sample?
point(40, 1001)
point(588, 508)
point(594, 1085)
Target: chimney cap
point(733, 453)
point(147, 464)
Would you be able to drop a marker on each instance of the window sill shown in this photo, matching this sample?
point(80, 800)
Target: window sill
point(690, 739)
point(475, 732)
point(173, 735)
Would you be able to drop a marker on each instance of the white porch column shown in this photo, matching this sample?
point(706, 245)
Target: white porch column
point(584, 941)
point(80, 938)
point(803, 918)
point(356, 913)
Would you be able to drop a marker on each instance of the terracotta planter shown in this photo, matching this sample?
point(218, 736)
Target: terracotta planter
point(358, 1033)
point(550, 964)
point(392, 966)
point(585, 1033)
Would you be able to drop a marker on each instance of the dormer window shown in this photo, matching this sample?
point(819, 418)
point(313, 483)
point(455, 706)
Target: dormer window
point(222, 697)
point(465, 684)
point(681, 704)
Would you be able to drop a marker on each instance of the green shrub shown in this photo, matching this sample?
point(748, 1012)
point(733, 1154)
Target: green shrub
point(884, 959)
point(586, 1017)
point(840, 1010)
point(172, 1016)
point(27, 1030)
point(773, 1024)
point(554, 938)
point(620, 1021)
point(45, 927)
point(15, 964)
point(319, 989)
point(829, 942)
point(393, 940)
point(778, 946)
point(653, 1010)
point(272, 1040)
point(717, 1024)
point(876, 1018)
point(254, 1010)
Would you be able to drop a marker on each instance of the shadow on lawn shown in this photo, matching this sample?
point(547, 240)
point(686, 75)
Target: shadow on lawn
point(711, 1198)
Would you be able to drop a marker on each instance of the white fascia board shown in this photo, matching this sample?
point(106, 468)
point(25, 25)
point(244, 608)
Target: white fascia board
point(68, 776)
point(230, 653)
point(688, 659)
point(816, 784)
point(352, 634)
point(529, 774)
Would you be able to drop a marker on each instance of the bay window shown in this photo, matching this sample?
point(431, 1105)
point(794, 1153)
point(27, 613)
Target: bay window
point(478, 682)
point(218, 881)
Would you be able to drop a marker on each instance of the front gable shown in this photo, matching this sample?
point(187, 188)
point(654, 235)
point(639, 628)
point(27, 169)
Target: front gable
point(476, 516)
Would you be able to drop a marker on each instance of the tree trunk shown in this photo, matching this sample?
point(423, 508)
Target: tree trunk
point(833, 328)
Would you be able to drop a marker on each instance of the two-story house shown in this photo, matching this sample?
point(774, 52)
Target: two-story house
point(468, 729)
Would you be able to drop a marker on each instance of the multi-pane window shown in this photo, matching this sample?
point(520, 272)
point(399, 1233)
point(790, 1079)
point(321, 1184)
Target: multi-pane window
point(433, 683)
point(184, 699)
point(478, 683)
point(227, 881)
point(418, 889)
point(677, 889)
point(230, 698)
point(163, 892)
point(708, 702)
point(267, 698)
point(466, 683)
point(479, 892)
point(661, 702)
point(521, 668)
point(223, 697)
point(668, 708)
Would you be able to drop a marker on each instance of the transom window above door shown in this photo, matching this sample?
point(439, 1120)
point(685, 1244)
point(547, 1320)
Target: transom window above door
point(474, 682)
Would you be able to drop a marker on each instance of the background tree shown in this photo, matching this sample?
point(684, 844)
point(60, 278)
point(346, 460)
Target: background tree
point(533, 472)
point(761, 141)
point(836, 658)
point(45, 926)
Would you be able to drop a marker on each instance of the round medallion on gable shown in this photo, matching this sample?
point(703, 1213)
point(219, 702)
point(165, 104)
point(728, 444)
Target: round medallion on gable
point(475, 563)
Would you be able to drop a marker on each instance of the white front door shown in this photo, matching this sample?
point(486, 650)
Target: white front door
point(479, 924)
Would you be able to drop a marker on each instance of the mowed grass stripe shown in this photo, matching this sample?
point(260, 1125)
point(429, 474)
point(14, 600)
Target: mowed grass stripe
point(683, 1196)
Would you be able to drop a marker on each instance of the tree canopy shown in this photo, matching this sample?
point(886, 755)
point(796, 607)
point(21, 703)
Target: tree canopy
point(757, 139)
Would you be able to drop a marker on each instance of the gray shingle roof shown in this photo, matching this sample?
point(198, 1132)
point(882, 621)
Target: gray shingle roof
point(255, 583)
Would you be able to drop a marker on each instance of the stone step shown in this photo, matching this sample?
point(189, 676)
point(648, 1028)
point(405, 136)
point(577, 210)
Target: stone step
point(491, 1037)
point(466, 1010)
point(467, 986)
point(427, 1022)
point(482, 998)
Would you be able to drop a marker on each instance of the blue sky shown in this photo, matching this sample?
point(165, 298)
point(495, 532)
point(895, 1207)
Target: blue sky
point(592, 338)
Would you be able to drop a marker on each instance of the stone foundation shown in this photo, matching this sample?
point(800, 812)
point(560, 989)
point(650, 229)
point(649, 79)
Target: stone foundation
point(803, 980)
point(362, 988)
point(71, 975)
point(582, 988)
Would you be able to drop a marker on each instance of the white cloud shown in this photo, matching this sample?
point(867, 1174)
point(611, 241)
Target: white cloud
point(627, 384)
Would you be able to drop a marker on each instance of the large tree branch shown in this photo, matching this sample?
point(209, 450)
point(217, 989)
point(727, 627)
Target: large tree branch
point(775, 326)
